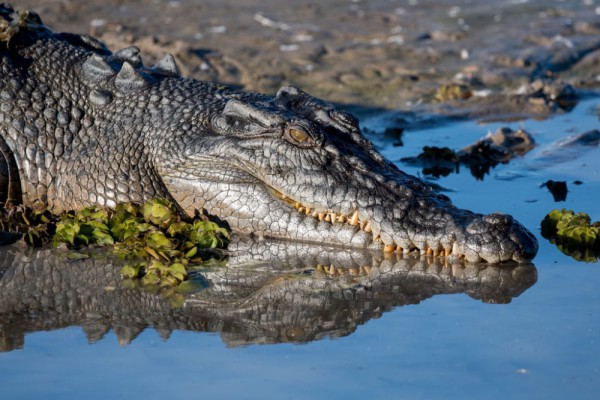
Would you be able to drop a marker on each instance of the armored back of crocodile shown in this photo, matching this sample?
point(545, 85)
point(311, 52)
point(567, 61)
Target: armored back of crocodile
point(83, 126)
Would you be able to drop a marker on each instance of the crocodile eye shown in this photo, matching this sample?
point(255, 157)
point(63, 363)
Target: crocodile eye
point(298, 135)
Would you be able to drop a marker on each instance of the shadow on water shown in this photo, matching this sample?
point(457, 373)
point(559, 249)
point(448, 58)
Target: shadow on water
point(268, 292)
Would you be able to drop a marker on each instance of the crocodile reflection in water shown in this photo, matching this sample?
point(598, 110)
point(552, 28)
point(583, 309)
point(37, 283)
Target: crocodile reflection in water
point(269, 292)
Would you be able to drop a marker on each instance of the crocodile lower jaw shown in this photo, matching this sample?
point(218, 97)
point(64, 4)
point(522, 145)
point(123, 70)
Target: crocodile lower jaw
point(354, 220)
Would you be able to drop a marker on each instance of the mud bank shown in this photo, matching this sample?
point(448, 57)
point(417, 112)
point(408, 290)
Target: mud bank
point(501, 60)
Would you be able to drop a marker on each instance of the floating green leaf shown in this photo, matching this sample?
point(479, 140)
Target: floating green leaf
point(208, 234)
point(160, 212)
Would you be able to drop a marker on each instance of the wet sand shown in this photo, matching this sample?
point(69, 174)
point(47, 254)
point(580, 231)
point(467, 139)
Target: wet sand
point(501, 59)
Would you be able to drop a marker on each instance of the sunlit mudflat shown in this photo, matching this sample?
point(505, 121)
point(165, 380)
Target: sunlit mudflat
point(300, 322)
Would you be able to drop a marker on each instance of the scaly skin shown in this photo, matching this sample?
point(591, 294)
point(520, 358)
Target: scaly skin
point(82, 126)
point(269, 292)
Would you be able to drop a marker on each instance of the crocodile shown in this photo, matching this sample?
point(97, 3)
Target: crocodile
point(81, 125)
point(267, 292)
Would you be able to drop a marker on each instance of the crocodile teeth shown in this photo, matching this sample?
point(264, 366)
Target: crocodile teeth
point(388, 248)
point(367, 227)
point(354, 219)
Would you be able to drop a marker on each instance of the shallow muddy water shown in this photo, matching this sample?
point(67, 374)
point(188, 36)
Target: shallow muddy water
point(278, 322)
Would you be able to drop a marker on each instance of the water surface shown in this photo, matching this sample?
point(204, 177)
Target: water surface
point(421, 332)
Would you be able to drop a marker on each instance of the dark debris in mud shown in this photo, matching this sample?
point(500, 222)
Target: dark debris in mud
point(497, 148)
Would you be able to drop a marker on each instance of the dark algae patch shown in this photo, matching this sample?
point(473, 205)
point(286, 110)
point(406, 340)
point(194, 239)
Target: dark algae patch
point(157, 243)
point(573, 233)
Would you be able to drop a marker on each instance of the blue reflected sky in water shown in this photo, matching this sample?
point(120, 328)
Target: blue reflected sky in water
point(545, 344)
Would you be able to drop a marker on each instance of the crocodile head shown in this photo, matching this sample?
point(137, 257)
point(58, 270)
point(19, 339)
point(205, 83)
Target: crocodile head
point(294, 167)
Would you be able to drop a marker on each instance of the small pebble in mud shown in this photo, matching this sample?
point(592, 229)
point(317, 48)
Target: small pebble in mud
point(218, 29)
point(288, 47)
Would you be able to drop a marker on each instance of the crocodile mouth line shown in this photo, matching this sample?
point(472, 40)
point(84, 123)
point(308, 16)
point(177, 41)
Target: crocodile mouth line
point(354, 220)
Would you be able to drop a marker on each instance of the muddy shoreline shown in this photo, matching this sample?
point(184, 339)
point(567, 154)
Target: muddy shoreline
point(485, 59)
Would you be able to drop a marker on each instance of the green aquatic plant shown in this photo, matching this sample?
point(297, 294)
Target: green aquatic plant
point(573, 233)
point(155, 240)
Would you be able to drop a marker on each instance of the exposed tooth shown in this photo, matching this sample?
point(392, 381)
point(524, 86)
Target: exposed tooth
point(354, 271)
point(301, 209)
point(455, 248)
point(331, 270)
point(436, 252)
point(399, 249)
point(328, 217)
point(321, 216)
point(429, 251)
point(388, 248)
point(354, 219)
point(367, 227)
point(297, 205)
point(342, 218)
point(315, 214)
point(333, 217)
point(447, 252)
point(308, 211)
point(367, 269)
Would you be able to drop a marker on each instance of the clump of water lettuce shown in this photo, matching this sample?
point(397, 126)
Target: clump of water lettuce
point(156, 242)
point(573, 233)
